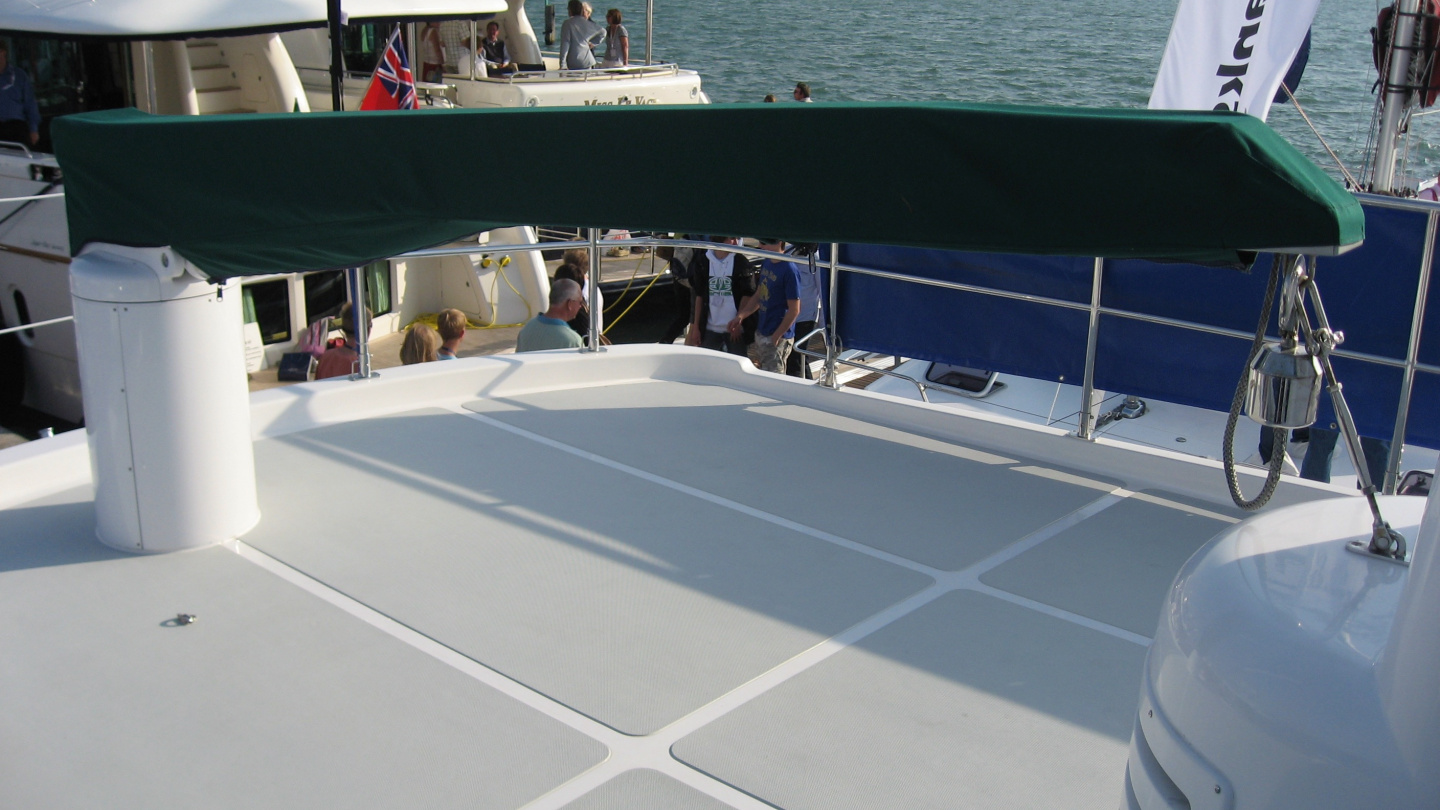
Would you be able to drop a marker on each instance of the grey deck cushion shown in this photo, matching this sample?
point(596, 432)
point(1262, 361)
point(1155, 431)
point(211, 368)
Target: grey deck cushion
point(273, 698)
point(1106, 569)
point(968, 702)
point(627, 601)
point(853, 479)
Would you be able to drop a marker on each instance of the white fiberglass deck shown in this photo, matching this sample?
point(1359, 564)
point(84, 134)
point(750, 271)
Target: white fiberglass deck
point(648, 580)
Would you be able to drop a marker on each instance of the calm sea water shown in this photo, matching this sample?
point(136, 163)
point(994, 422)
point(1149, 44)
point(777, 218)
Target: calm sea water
point(1100, 53)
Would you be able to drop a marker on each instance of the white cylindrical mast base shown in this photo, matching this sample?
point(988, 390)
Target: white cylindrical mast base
point(167, 409)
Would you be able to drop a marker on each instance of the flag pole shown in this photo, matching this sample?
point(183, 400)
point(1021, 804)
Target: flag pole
point(335, 18)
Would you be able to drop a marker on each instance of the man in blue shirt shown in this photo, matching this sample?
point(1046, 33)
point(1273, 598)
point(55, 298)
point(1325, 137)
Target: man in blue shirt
point(550, 329)
point(777, 299)
point(19, 114)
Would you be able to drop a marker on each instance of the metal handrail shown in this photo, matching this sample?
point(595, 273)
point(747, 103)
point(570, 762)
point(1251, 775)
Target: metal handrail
point(886, 372)
point(4, 200)
point(17, 146)
point(1410, 365)
point(28, 326)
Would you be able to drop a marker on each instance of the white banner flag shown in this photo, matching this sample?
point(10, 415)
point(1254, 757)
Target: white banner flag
point(1230, 54)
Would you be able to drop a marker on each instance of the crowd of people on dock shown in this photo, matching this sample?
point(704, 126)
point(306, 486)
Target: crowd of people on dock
point(723, 301)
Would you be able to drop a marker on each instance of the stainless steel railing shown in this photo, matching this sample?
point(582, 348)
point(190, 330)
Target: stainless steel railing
point(25, 327)
point(1088, 413)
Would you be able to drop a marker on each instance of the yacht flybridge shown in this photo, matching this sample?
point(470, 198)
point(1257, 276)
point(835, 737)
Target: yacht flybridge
point(227, 58)
point(654, 577)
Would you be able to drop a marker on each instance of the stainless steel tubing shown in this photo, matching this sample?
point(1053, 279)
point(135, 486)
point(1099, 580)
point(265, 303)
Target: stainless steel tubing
point(1412, 356)
point(358, 311)
point(594, 290)
point(832, 350)
point(24, 326)
point(1087, 414)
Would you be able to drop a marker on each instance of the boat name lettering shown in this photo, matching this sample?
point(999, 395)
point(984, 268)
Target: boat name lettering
point(622, 101)
point(1254, 10)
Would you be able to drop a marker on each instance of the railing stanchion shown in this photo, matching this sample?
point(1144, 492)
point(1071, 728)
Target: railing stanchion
point(1412, 356)
point(1087, 408)
point(25, 327)
point(358, 316)
point(649, 28)
point(594, 303)
point(832, 336)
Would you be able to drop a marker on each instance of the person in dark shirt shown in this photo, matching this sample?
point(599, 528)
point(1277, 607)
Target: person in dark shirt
point(581, 322)
point(19, 114)
point(494, 56)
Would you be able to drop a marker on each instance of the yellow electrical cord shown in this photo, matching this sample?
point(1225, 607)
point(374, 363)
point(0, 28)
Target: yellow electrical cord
point(431, 319)
point(634, 275)
point(622, 315)
point(495, 308)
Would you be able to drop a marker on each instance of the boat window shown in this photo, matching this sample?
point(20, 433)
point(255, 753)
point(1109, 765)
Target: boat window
point(362, 45)
point(377, 287)
point(268, 304)
point(324, 294)
point(22, 310)
point(71, 77)
point(326, 291)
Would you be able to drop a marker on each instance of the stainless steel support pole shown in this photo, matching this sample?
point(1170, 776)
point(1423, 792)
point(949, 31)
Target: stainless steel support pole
point(649, 29)
point(334, 17)
point(594, 290)
point(1384, 541)
point(1412, 357)
point(1337, 396)
point(1087, 412)
point(1393, 106)
point(147, 55)
point(358, 313)
point(832, 337)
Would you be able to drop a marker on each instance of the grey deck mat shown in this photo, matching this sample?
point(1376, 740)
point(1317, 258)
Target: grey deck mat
point(272, 699)
point(627, 601)
point(1104, 569)
point(644, 789)
point(967, 702)
point(633, 595)
point(850, 478)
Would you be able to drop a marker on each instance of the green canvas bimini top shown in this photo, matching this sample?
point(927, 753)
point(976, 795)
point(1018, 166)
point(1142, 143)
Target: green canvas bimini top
point(253, 194)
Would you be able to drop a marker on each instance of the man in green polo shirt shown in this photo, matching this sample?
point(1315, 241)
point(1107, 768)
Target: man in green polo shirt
point(550, 330)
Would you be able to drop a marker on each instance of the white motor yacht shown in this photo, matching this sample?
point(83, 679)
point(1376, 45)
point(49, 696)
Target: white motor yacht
point(242, 58)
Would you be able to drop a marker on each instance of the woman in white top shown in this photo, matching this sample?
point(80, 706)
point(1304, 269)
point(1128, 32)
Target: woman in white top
point(617, 41)
point(432, 54)
point(578, 37)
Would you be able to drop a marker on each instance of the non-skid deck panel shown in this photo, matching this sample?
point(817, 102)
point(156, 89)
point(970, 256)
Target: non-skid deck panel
point(938, 503)
point(273, 698)
point(645, 789)
point(1117, 566)
point(625, 600)
point(968, 702)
